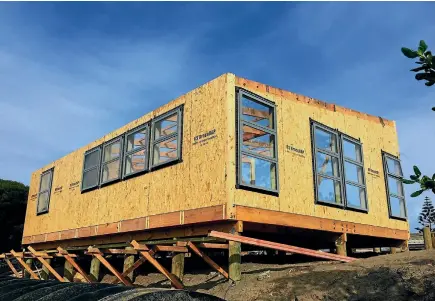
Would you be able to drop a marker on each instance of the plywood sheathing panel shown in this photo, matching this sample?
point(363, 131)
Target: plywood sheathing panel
point(296, 194)
point(178, 187)
point(265, 89)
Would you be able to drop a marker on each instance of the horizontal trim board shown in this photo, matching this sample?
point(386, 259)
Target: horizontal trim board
point(264, 216)
point(177, 218)
point(200, 230)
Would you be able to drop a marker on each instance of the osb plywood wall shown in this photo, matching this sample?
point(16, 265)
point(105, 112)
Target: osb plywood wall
point(207, 174)
point(296, 193)
point(198, 181)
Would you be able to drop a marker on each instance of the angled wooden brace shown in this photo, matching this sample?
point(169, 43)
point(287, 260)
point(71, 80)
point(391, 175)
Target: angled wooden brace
point(145, 252)
point(68, 258)
point(39, 256)
point(24, 265)
point(207, 259)
point(11, 266)
point(135, 265)
point(99, 255)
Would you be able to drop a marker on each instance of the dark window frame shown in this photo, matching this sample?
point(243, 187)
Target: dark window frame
point(316, 125)
point(385, 156)
point(361, 164)
point(340, 137)
point(98, 167)
point(51, 172)
point(179, 135)
point(119, 158)
point(240, 152)
point(127, 153)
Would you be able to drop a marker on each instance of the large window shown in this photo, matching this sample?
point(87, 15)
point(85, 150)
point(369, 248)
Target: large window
point(44, 192)
point(111, 161)
point(166, 138)
point(257, 151)
point(136, 151)
point(393, 178)
point(91, 168)
point(339, 169)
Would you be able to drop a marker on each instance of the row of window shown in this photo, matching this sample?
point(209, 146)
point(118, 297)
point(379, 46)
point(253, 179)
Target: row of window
point(134, 152)
point(338, 164)
point(126, 155)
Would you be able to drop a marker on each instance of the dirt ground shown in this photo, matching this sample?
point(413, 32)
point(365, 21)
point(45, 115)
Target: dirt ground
point(402, 276)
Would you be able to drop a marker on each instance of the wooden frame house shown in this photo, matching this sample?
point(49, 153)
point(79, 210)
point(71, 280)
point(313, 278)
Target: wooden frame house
point(234, 156)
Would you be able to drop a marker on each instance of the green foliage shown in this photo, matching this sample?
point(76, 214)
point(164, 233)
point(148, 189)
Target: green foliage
point(426, 62)
point(427, 214)
point(425, 182)
point(13, 201)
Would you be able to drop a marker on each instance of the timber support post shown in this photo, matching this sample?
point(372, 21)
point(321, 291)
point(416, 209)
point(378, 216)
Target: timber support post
point(45, 273)
point(68, 271)
point(177, 267)
point(94, 272)
point(235, 254)
point(340, 244)
point(234, 260)
point(427, 238)
point(44, 258)
point(96, 253)
point(145, 252)
point(128, 263)
point(29, 262)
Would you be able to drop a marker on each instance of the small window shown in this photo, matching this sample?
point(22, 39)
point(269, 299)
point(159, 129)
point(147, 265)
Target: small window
point(44, 192)
point(354, 173)
point(111, 162)
point(393, 179)
point(166, 138)
point(258, 159)
point(327, 166)
point(91, 168)
point(136, 151)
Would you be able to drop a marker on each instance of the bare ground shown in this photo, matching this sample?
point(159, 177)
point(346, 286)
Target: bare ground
point(402, 276)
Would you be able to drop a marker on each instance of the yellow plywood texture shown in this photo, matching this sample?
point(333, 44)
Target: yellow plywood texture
point(202, 187)
point(296, 193)
point(195, 182)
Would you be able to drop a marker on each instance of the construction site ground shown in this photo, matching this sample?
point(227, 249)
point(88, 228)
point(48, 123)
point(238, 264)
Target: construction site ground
point(401, 276)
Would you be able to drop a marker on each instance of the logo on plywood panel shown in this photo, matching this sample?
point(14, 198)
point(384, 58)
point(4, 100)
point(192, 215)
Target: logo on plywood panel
point(74, 185)
point(297, 151)
point(203, 139)
point(373, 172)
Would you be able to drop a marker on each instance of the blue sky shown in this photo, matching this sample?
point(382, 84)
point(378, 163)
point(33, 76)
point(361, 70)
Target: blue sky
point(72, 72)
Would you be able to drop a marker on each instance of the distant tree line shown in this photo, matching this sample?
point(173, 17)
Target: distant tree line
point(13, 202)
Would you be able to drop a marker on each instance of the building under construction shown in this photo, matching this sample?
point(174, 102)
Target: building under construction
point(224, 166)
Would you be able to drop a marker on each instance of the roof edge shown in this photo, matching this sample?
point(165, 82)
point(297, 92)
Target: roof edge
point(263, 88)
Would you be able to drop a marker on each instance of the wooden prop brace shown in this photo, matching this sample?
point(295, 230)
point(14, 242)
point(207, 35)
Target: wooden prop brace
point(278, 246)
point(99, 255)
point(68, 257)
point(24, 265)
point(207, 259)
point(11, 266)
point(145, 252)
point(40, 256)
